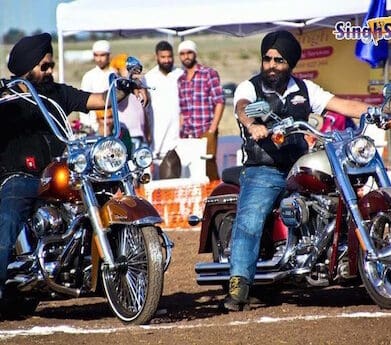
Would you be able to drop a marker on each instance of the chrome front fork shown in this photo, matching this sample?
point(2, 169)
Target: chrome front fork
point(100, 231)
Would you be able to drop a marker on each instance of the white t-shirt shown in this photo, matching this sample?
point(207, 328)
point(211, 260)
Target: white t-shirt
point(318, 98)
point(164, 109)
point(95, 80)
point(131, 114)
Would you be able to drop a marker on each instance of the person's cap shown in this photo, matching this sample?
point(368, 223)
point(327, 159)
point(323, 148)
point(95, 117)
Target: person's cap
point(28, 52)
point(286, 44)
point(187, 46)
point(101, 46)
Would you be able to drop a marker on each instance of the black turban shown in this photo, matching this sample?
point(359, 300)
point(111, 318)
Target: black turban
point(28, 52)
point(286, 44)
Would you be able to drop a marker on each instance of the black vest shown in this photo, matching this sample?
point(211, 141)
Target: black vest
point(265, 152)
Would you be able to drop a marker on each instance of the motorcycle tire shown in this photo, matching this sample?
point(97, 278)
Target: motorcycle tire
point(376, 275)
point(133, 289)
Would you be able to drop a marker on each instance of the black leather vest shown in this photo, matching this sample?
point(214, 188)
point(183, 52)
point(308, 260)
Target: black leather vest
point(265, 152)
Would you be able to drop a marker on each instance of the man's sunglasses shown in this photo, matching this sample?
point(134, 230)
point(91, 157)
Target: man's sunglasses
point(46, 65)
point(277, 60)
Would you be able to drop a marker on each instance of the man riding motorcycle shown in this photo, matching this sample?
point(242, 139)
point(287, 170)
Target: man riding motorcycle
point(27, 145)
point(262, 178)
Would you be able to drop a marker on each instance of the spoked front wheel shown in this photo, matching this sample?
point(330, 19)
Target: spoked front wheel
point(134, 287)
point(376, 275)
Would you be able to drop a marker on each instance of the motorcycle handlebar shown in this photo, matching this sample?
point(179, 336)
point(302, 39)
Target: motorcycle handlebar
point(374, 115)
point(8, 84)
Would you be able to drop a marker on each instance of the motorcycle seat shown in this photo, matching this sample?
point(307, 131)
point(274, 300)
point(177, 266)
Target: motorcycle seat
point(231, 175)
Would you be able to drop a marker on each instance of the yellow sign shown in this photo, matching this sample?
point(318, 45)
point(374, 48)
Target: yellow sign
point(332, 64)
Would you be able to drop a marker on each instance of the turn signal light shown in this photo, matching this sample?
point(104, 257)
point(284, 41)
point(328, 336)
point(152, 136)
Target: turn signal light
point(145, 178)
point(278, 138)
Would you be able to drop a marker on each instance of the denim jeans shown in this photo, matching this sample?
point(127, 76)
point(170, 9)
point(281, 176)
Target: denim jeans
point(17, 196)
point(260, 186)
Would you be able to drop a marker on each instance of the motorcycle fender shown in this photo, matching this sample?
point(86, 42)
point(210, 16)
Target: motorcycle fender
point(222, 200)
point(122, 210)
point(369, 205)
point(374, 202)
point(129, 209)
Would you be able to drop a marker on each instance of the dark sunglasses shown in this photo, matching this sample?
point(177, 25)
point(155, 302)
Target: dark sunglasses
point(277, 60)
point(46, 65)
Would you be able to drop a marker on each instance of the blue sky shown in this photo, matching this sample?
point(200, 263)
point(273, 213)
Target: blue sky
point(28, 15)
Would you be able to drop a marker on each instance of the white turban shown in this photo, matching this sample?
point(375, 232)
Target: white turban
point(187, 45)
point(102, 46)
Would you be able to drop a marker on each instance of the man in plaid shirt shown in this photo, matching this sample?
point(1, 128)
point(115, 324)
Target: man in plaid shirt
point(201, 101)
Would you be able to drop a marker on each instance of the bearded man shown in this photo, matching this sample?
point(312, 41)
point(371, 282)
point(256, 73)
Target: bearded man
point(265, 166)
point(202, 103)
point(27, 144)
point(164, 102)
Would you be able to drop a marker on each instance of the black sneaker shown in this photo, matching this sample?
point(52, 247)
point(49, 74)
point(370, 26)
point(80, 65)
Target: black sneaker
point(237, 297)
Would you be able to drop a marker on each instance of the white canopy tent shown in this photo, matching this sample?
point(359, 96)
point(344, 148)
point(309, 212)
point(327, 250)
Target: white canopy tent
point(183, 17)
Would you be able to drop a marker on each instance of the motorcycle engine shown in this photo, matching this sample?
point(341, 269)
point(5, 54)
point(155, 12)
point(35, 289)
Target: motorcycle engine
point(294, 211)
point(46, 220)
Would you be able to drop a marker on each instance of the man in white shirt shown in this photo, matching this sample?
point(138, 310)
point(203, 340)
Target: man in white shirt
point(263, 177)
point(164, 101)
point(97, 79)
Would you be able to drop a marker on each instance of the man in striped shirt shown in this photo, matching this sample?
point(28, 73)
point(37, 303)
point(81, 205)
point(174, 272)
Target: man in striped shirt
point(201, 101)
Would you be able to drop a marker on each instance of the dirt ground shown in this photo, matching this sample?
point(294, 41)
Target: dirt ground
point(191, 314)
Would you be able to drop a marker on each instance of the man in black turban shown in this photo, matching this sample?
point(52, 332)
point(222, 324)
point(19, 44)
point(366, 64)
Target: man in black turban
point(286, 44)
point(27, 145)
point(265, 165)
point(28, 52)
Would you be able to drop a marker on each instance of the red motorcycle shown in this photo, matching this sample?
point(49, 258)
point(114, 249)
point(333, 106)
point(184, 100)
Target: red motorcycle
point(90, 234)
point(322, 231)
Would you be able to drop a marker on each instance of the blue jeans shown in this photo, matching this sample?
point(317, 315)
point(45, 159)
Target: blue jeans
point(260, 186)
point(17, 197)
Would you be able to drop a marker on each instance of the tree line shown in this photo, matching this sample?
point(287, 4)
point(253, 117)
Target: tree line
point(13, 35)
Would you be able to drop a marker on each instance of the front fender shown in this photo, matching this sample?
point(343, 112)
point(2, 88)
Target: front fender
point(124, 210)
point(129, 209)
point(374, 202)
point(371, 204)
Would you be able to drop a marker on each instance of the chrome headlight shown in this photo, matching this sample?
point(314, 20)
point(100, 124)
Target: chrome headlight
point(109, 155)
point(78, 162)
point(142, 157)
point(361, 150)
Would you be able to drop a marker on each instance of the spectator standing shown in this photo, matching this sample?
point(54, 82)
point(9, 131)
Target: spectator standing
point(201, 101)
point(131, 111)
point(96, 79)
point(164, 107)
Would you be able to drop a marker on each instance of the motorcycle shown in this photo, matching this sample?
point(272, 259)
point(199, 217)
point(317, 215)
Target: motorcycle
point(90, 234)
point(323, 231)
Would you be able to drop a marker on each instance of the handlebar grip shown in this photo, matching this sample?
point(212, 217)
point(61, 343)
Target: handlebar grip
point(126, 85)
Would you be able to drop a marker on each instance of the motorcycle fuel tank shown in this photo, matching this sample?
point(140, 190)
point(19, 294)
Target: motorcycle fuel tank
point(311, 174)
point(55, 183)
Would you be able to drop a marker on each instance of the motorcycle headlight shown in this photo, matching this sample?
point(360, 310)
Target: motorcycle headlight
point(361, 150)
point(109, 155)
point(78, 162)
point(142, 157)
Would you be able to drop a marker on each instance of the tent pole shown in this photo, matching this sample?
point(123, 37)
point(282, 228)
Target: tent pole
point(60, 43)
